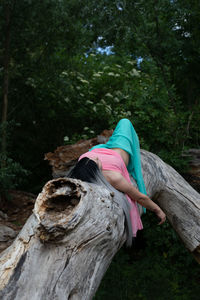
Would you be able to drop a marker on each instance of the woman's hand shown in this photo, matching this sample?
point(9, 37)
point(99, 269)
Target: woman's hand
point(161, 215)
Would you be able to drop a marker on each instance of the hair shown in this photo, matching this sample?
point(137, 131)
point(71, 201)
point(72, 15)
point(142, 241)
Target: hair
point(87, 170)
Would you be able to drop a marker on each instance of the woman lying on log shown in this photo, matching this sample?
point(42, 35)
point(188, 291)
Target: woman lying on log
point(115, 160)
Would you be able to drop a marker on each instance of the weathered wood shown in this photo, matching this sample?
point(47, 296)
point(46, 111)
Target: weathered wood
point(66, 246)
point(176, 197)
point(76, 228)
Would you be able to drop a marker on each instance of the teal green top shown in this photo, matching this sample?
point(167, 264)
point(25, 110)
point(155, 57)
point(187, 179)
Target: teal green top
point(125, 137)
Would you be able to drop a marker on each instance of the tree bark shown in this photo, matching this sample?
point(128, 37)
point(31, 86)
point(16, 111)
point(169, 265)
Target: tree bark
point(176, 197)
point(76, 228)
point(6, 76)
point(66, 245)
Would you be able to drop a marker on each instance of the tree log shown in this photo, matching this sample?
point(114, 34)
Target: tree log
point(66, 245)
point(176, 197)
point(76, 228)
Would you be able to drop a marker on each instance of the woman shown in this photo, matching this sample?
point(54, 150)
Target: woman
point(116, 159)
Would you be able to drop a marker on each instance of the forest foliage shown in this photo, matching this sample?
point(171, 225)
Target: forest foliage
point(72, 68)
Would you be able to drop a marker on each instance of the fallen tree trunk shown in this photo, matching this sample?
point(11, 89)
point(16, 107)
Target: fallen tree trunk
point(66, 245)
point(76, 228)
point(176, 197)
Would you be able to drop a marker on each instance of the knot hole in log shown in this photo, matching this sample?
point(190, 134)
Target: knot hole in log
point(57, 208)
point(62, 197)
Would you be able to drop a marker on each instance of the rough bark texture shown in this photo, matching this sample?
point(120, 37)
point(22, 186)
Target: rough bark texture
point(67, 244)
point(176, 197)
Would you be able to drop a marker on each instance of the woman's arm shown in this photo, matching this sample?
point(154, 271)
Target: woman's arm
point(120, 183)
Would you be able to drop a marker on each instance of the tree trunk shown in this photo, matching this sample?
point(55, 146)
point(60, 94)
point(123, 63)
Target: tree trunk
point(176, 197)
point(76, 228)
point(6, 76)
